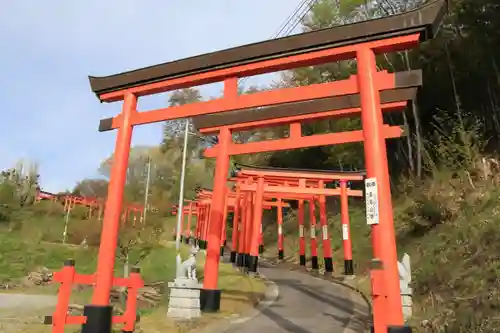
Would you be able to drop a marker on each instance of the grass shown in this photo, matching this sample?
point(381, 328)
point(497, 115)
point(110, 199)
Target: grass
point(19, 257)
point(239, 292)
point(26, 245)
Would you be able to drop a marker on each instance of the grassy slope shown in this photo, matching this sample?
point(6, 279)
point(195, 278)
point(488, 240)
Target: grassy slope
point(454, 261)
point(34, 241)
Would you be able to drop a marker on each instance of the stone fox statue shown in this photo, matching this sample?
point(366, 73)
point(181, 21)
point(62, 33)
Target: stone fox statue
point(188, 267)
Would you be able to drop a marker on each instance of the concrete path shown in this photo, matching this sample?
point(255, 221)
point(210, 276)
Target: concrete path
point(24, 312)
point(26, 301)
point(305, 305)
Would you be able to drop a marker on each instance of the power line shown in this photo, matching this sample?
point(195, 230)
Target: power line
point(291, 17)
point(303, 7)
point(301, 16)
point(284, 23)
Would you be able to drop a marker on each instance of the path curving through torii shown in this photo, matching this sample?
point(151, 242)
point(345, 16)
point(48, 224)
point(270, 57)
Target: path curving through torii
point(306, 304)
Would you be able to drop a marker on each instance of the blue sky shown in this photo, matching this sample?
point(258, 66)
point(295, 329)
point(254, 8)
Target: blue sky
point(48, 48)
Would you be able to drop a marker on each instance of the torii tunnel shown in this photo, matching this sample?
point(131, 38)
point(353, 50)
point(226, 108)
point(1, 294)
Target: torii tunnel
point(361, 95)
point(202, 210)
point(299, 185)
point(286, 184)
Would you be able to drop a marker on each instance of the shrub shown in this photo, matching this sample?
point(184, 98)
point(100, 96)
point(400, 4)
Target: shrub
point(47, 208)
point(79, 230)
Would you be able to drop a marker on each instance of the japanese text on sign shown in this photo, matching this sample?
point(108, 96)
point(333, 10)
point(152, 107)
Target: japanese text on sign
point(372, 216)
point(345, 232)
point(324, 230)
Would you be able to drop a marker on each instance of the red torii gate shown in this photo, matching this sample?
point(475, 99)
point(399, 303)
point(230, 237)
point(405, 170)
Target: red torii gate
point(294, 185)
point(230, 206)
point(70, 201)
point(361, 41)
point(294, 178)
point(295, 139)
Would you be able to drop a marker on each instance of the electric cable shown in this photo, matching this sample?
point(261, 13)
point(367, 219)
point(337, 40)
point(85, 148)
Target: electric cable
point(299, 12)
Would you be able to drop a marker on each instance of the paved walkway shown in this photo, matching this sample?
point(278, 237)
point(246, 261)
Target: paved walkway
point(26, 301)
point(305, 305)
point(24, 312)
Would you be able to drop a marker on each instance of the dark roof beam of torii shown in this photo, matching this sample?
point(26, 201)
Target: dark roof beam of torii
point(424, 21)
point(406, 87)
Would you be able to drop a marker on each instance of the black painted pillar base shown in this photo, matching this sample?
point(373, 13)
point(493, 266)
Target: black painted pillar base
point(99, 319)
point(281, 255)
point(222, 251)
point(181, 238)
point(203, 244)
point(239, 260)
point(328, 265)
point(348, 267)
point(232, 257)
point(261, 248)
point(187, 239)
point(209, 300)
point(225, 242)
point(395, 329)
point(253, 262)
point(314, 262)
point(399, 329)
point(302, 260)
point(246, 260)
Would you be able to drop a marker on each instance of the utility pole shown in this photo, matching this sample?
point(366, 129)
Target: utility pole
point(146, 195)
point(181, 197)
point(66, 221)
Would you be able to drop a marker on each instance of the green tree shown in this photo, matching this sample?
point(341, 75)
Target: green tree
point(136, 173)
point(96, 188)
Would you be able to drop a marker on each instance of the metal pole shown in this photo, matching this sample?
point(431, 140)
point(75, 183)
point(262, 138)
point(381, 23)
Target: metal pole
point(66, 221)
point(146, 195)
point(181, 197)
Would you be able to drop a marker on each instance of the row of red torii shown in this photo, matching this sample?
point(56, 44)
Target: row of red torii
point(95, 206)
point(242, 199)
point(366, 95)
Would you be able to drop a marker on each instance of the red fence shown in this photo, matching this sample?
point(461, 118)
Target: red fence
point(68, 277)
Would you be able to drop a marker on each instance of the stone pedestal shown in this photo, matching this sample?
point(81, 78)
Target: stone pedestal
point(407, 303)
point(184, 300)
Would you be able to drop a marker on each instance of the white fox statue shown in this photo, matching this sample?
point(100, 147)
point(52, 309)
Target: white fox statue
point(187, 268)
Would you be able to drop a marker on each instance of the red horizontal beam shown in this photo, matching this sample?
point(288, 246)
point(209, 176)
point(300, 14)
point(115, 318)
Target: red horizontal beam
point(277, 190)
point(302, 142)
point(384, 81)
point(267, 66)
point(231, 203)
point(278, 180)
point(293, 177)
point(395, 106)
